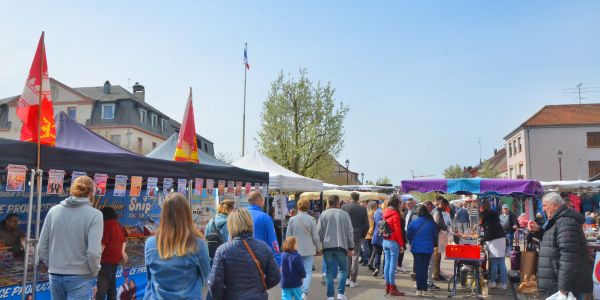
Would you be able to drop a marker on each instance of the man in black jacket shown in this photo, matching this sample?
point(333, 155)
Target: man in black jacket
point(564, 264)
point(360, 225)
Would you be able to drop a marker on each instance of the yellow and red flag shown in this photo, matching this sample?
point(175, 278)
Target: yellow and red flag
point(187, 147)
point(35, 104)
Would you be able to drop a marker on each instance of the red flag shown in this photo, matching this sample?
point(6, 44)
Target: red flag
point(28, 107)
point(187, 147)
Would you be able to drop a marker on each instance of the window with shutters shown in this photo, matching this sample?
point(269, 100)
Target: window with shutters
point(593, 139)
point(594, 167)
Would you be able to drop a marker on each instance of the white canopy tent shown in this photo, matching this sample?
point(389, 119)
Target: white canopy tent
point(570, 185)
point(280, 178)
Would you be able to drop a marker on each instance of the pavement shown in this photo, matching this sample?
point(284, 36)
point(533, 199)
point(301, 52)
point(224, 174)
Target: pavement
point(372, 288)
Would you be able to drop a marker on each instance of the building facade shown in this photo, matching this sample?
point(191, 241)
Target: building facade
point(560, 142)
point(343, 176)
point(120, 116)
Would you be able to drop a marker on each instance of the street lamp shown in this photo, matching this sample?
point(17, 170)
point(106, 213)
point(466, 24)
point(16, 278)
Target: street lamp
point(347, 171)
point(559, 154)
point(362, 178)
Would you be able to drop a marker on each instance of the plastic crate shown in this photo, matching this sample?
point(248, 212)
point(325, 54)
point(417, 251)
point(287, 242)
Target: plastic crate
point(463, 251)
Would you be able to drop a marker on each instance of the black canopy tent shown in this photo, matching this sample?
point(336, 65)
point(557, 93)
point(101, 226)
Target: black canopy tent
point(23, 153)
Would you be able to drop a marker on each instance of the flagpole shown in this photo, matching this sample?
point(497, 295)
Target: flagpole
point(244, 116)
point(39, 124)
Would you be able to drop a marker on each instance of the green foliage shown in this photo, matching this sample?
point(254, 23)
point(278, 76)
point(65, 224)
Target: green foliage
point(453, 171)
point(302, 129)
point(487, 171)
point(383, 180)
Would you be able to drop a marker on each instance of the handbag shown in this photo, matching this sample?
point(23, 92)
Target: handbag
point(515, 254)
point(257, 263)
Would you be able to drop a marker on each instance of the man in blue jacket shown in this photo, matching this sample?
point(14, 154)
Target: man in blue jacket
point(264, 229)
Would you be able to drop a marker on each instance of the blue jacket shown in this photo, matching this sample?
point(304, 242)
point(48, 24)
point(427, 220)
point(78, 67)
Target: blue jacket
point(234, 274)
point(377, 217)
point(264, 230)
point(422, 238)
point(220, 221)
point(180, 277)
point(292, 270)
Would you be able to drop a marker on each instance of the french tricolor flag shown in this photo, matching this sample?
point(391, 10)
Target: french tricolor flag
point(246, 59)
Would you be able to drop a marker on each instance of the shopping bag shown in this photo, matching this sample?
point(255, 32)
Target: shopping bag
point(528, 263)
point(560, 296)
point(528, 285)
point(515, 254)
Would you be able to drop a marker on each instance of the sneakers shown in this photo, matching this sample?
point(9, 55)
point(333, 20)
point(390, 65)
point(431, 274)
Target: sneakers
point(433, 287)
point(347, 282)
point(426, 294)
point(503, 286)
point(341, 297)
point(376, 272)
point(419, 293)
point(492, 285)
point(400, 270)
point(330, 298)
point(371, 268)
point(304, 296)
point(353, 284)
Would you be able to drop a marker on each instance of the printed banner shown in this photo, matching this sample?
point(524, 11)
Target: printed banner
point(221, 188)
point(100, 181)
point(136, 186)
point(182, 186)
point(238, 188)
point(56, 179)
point(16, 178)
point(248, 188)
point(280, 205)
point(257, 187)
point(210, 186)
point(167, 186)
point(230, 187)
point(198, 186)
point(151, 186)
point(75, 175)
point(120, 186)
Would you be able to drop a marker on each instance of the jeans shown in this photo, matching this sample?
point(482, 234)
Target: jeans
point(291, 293)
point(421, 265)
point(331, 259)
point(497, 264)
point(431, 267)
point(365, 252)
point(353, 263)
point(308, 262)
point(70, 287)
point(509, 237)
point(463, 227)
point(324, 267)
point(391, 249)
point(107, 282)
point(375, 260)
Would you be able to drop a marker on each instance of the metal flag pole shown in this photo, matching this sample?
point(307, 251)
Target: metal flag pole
point(244, 116)
point(28, 232)
point(37, 231)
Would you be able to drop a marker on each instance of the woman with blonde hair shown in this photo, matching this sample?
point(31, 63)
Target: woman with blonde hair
point(243, 255)
point(177, 257)
point(216, 232)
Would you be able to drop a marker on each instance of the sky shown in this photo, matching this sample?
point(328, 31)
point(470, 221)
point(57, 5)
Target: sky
point(426, 81)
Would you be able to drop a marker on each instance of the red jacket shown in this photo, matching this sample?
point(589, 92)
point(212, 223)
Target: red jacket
point(392, 218)
point(113, 239)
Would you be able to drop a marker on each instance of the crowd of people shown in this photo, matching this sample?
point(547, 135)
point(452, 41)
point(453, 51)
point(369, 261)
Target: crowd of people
point(238, 255)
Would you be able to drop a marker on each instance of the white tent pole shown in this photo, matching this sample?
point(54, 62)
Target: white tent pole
point(28, 234)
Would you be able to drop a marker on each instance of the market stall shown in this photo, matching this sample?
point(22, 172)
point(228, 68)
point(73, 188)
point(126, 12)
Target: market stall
point(465, 252)
point(133, 185)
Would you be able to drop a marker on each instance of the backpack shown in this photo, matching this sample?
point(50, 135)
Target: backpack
point(214, 239)
point(384, 230)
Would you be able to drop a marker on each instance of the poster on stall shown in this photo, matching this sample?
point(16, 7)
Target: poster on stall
point(75, 175)
point(238, 188)
point(198, 186)
point(248, 188)
point(100, 181)
point(221, 188)
point(257, 187)
point(230, 187)
point(16, 178)
point(136, 186)
point(265, 190)
point(120, 186)
point(56, 179)
point(151, 186)
point(203, 208)
point(280, 205)
point(167, 186)
point(210, 186)
point(182, 186)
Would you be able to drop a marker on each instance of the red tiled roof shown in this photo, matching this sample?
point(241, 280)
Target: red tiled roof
point(568, 114)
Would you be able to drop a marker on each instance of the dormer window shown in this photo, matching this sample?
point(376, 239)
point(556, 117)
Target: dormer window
point(154, 120)
point(163, 125)
point(143, 115)
point(108, 111)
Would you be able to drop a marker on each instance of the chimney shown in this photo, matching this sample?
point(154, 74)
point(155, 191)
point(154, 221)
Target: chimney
point(495, 151)
point(139, 91)
point(107, 87)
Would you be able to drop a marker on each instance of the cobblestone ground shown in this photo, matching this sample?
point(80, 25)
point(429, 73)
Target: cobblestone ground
point(372, 288)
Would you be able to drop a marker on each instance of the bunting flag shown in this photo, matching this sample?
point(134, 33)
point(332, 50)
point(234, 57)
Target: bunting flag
point(29, 109)
point(187, 146)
